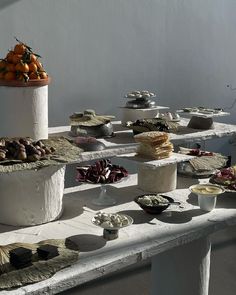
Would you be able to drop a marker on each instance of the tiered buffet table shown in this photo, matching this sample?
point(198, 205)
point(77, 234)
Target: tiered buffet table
point(177, 241)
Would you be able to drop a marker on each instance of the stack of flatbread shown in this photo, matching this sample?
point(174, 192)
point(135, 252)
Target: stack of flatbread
point(154, 145)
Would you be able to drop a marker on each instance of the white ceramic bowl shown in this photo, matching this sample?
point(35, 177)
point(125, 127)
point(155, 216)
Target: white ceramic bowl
point(207, 195)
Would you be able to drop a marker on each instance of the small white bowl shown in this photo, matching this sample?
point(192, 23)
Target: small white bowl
point(207, 195)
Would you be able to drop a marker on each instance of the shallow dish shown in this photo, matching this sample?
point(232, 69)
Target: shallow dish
point(225, 177)
point(207, 189)
point(157, 209)
point(227, 190)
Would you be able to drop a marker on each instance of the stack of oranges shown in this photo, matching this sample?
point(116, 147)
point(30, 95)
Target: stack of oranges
point(21, 64)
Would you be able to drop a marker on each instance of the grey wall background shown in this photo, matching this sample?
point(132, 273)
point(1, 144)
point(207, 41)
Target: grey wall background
point(97, 50)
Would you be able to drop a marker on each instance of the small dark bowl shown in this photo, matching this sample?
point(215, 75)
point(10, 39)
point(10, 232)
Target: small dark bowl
point(153, 209)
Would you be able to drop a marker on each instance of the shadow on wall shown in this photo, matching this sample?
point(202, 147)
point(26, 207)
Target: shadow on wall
point(5, 3)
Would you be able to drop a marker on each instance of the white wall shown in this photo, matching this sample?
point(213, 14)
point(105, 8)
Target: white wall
point(97, 50)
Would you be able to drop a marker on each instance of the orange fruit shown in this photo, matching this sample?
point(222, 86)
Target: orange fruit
point(19, 48)
point(22, 77)
point(39, 65)
point(16, 58)
point(9, 76)
point(43, 75)
point(22, 67)
point(2, 64)
point(34, 76)
point(10, 68)
point(9, 56)
point(33, 57)
point(32, 67)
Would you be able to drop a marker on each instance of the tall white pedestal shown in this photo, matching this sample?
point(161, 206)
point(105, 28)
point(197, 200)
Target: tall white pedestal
point(184, 270)
point(129, 114)
point(24, 111)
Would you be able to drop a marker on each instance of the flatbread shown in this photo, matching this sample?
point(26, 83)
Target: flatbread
point(156, 137)
point(206, 163)
point(155, 152)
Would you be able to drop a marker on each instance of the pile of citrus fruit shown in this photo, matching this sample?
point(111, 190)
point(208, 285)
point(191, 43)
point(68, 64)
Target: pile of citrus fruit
point(21, 64)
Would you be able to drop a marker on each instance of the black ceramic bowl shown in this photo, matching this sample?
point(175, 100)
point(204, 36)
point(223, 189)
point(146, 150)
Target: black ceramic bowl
point(157, 209)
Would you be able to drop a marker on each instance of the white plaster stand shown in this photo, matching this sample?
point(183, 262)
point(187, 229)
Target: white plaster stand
point(31, 197)
point(24, 111)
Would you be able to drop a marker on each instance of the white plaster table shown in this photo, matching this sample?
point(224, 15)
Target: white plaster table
point(177, 241)
point(124, 143)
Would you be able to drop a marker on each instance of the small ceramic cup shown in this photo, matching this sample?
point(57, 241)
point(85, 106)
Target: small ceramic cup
point(207, 203)
point(207, 195)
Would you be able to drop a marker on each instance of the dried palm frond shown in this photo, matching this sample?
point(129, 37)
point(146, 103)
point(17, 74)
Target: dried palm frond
point(39, 270)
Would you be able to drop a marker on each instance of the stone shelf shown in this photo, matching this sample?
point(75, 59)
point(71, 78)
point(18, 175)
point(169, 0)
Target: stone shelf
point(173, 159)
point(123, 141)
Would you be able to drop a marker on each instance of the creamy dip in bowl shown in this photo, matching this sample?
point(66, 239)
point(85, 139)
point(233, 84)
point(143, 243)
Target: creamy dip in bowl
point(207, 195)
point(206, 189)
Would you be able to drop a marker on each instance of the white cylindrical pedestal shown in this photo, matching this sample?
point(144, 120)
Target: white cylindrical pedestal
point(135, 114)
point(157, 179)
point(24, 111)
point(31, 197)
point(182, 270)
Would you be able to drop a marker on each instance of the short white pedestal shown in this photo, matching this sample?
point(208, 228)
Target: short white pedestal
point(135, 114)
point(157, 179)
point(31, 197)
point(24, 112)
point(184, 270)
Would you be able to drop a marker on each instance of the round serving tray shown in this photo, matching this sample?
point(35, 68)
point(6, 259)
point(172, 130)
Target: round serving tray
point(30, 83)
point(211, 180)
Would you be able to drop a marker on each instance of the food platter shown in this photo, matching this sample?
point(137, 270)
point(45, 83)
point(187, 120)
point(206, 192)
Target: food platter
point(227, 190)
point(204, 165)
point(201, 112)
point(152, 124)
point(185, 169)
point(225, 177)
point(111, 223)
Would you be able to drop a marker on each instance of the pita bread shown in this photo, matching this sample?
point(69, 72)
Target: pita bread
point(155, 137)
point(155, 152)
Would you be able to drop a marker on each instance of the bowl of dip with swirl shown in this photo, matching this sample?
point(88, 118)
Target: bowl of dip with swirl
point(207, 195)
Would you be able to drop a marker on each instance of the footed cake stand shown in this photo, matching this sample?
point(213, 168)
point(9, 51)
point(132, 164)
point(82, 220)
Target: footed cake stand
point(104, 199)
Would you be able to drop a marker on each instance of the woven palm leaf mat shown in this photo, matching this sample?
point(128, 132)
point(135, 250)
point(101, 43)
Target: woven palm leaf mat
point(206, 163)
point(203, 166)
point(11, 277)
point(65, 152)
